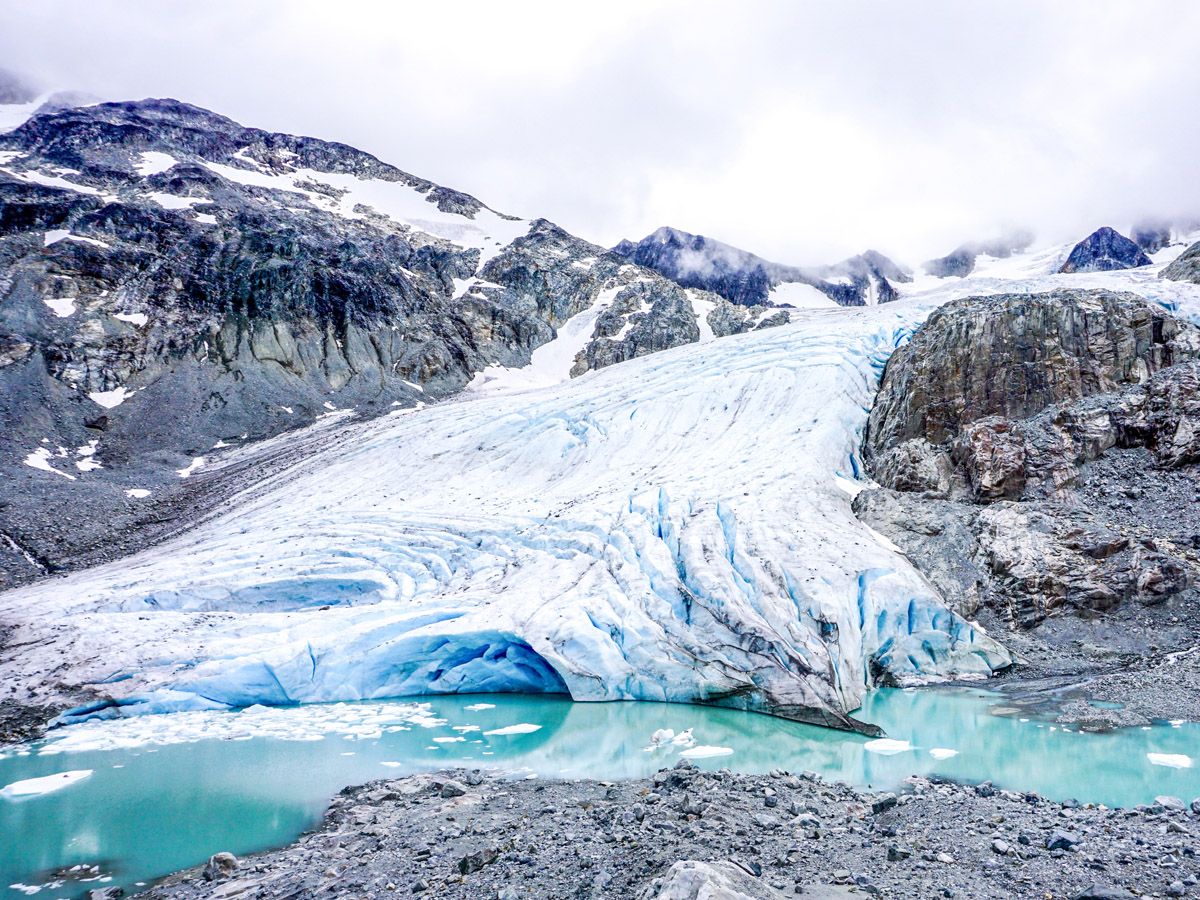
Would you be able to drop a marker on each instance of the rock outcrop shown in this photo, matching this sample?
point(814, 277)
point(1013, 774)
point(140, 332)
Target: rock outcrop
point(1186, 266)
point(1105, 250)
point(983, 432)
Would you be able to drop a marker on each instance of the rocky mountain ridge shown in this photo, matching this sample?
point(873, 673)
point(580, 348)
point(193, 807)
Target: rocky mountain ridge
point(172, 283)
point(742, 277)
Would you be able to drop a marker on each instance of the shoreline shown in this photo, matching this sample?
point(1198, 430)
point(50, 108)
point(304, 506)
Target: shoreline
point(683, 831)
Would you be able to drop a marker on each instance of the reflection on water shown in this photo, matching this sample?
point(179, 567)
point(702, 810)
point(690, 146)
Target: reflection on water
point(166, 792)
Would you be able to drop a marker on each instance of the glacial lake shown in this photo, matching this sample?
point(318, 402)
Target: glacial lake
point(165, 792)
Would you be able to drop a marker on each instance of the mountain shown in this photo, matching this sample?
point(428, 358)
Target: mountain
point(742, 277)
point(173, 284)
point(14, 89)
point(1186, 266)
point(961, 261)
point(1105, 250)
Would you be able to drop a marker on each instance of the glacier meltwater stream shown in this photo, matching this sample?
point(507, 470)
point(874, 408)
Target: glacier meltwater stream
point(122, 803)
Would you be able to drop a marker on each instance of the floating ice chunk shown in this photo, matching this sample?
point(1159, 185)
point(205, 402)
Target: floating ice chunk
point(684, 738)
point(110, 399)
point(1170, 760)
point(476, 707)
point(887, 746)
point(40, 459)
point(705, 752)
point(137, 493)
point(138, 319)
point(188, 470)
point(448, 740)
point(62, 306)
point(32, 787)
point(152, 162)
point(522, 728)
point(662, 736)
point(391, 764)
point(942, 753)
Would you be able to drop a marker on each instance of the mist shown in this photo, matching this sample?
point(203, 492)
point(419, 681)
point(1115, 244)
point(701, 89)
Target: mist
point(800, 132)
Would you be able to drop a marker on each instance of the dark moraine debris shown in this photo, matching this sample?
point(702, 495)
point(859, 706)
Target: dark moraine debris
point(685, 834)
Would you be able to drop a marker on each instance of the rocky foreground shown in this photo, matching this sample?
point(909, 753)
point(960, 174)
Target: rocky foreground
point(687, 833)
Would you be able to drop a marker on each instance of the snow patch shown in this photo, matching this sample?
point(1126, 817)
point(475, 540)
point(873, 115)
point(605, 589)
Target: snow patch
point(137, 493)
point(61, 306)
point(111, 399)
point(550, 363)
point(40, 459)
point(190, 469)
point(138, 319)
point(171, 201)
point(152, 162)
point(799, 295)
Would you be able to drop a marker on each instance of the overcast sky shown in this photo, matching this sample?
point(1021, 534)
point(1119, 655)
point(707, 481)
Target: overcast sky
point(802, 131)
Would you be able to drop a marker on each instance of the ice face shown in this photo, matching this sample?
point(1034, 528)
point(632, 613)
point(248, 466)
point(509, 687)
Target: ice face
point(673, 528)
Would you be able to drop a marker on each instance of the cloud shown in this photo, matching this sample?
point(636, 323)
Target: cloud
point(804, 132)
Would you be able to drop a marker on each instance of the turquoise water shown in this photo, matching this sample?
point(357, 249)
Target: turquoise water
point(163, 796)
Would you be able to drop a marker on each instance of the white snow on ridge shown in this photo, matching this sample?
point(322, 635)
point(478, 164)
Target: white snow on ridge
point(487, 232)
point(800, 295)
point(550, 363)
point(153, 162)
point(61, 306)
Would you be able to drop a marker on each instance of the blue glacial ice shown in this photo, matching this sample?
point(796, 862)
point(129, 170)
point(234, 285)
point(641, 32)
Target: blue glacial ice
point(677, 527)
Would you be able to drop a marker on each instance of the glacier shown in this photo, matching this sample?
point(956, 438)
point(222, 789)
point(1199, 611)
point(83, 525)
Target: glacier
point(674, 528)
point(677, 527)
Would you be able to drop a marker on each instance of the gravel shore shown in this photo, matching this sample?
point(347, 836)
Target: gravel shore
point(687, 833)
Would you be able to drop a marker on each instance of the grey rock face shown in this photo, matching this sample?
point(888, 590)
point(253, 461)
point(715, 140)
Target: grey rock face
point(1186, 266)
point(985, 426)
point(226, 305)
point(1105, 250)
point(1009, 356)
